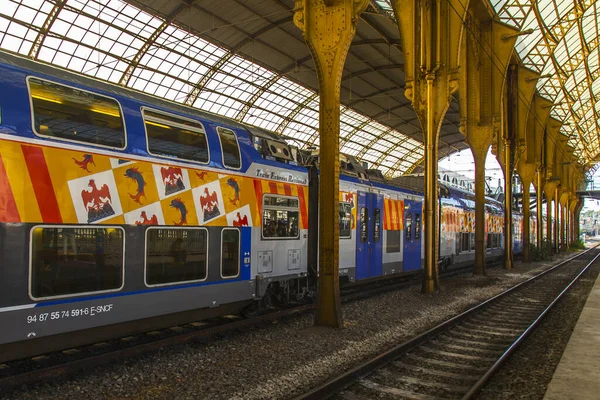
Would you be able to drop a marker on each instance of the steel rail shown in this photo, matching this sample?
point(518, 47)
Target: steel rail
point(513, 347)
point(70, 367)
point(341, 382)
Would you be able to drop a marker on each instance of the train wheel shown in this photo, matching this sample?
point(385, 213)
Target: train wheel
point(253, 309)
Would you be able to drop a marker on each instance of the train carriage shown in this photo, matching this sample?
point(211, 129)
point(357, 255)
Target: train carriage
point(118, 208)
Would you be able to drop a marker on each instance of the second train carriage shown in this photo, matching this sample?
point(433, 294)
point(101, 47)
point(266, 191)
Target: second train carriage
point(121, 212)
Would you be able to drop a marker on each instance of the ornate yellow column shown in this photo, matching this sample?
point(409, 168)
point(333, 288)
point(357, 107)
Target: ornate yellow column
point(558, 176)
point(574, 202)
point(577, 216)
point(525, 151)
point(526, 178)
point(482, 80)
point(430, 32)
point(527, 174)
point(503, 149)
point(564, 222)
point(557, 220)
point(568, 223)
point(539, 198)
point(508, 204)
point(552, 177)
point(537, 141)
point(549, 218)
point(328, 27)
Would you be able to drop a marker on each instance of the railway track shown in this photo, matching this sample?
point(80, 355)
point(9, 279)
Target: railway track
point(456, 358)
point(68, 362)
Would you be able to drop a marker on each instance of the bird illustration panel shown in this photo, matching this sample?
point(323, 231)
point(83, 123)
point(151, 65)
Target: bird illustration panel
point(95, 197)
point(208, 201)
point(240, 217)
point(150, 214)
point(170, 180)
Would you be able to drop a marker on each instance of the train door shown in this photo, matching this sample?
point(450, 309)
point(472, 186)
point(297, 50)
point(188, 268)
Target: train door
point(369, 245)
point(375, 236)
point(412, 235)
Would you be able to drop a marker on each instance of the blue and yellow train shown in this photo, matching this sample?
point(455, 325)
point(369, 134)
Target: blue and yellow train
point(121, 212)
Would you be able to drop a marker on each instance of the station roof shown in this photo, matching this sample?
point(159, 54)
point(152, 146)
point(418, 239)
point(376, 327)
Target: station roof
point(245, 59)
point(563, 48)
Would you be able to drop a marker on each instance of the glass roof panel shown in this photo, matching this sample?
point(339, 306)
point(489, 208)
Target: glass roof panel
point(557, 47)
point(118, 42)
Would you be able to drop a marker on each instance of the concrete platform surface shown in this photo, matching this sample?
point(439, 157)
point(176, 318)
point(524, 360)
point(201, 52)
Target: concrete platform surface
point(577, 376)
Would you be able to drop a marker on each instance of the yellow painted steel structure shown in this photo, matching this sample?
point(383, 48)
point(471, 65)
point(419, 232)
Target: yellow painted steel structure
point(484, 58)
point(537, 122)
point(431, 35)
point(328, 27)
point(525, 159)
point(503, 149)
point(552, 175)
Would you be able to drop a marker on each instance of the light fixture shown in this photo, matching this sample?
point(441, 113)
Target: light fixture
point(38, 97)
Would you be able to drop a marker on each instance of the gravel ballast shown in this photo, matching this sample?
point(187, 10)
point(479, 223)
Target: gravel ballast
point(287, 357)
point(529, 371)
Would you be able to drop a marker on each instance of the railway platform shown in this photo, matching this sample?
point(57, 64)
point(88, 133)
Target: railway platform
point(578, 373)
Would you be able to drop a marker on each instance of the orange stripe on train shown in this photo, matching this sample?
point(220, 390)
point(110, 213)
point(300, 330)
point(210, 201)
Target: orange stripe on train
point(8, 206)
point(42, 184)
point(303, 209)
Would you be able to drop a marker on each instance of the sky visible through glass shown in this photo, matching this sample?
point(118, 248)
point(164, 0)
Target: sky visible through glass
point(117, 42)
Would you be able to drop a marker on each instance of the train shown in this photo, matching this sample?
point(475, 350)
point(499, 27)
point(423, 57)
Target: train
point(122, 212)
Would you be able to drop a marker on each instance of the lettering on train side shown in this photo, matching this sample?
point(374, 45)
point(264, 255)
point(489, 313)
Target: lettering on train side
point(280, 176)
point(73, 313)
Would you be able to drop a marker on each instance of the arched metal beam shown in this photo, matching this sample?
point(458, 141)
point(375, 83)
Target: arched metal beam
point(198, 87)
point(41, 36)
point(124, 81)
point(290, 117)
point(257, 95)
point(374, 69)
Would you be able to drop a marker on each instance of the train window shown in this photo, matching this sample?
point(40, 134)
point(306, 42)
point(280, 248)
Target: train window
point(176, 255)
point(417, 226)
point(465, 242)
point(392, 244)
point(472, 235)
point(280, 217)
point(230, 253)
point(457, 247)
point(364, 224)
point(67, 261)
point(67, 113)
point(345, 220)
point(489, 241)
point(176, 137)
point(230, 148)
point(408, 226)
point(376, 225)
